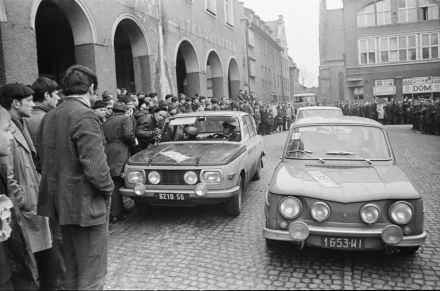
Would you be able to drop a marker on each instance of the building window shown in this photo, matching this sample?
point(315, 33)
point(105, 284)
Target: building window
point(367, 51)
point(252, 68)
point(365, 16)
point(407, 11)
point(383, 12)
point(251, 38)
point(428, 9)
point(211, 6)
point(429, 45)
point(229, 12)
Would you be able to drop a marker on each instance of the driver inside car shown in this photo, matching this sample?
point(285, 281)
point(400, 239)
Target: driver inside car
point(228, 131)
point(190, 132)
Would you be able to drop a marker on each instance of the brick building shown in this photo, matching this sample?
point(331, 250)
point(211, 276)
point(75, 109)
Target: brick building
point(391, 49)
point(166, 46)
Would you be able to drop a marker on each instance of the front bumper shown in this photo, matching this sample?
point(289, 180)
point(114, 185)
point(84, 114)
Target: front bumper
point(210, 194)
point(372, 237)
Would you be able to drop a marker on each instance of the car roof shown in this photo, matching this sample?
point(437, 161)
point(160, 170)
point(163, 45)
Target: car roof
point(319, 108)
point(345, 120)
point(212, 113)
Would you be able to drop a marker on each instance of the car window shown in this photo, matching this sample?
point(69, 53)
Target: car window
point(338, 142)
point(246, 134)
point(251, 126)
point(200, 128)
point(325, 113)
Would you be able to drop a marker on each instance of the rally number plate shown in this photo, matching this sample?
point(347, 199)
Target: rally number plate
point(331, 242)
point(171, 196)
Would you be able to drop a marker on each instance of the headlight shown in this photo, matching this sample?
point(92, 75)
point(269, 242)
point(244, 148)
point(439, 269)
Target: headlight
point(370, 213)
point(320, 211)
point(290, 207)
point(154, 177)
point(401, 212)
point(212, 177)
point(190, 178)
point(136, 177)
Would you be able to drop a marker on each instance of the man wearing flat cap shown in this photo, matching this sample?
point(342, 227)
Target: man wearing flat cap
point(23, 178)
point(119, 137)
point(76, 185)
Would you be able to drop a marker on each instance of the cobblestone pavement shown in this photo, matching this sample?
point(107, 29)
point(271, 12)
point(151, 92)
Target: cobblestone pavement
point(203, 248)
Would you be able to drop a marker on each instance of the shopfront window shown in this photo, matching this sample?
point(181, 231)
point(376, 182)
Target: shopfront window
point(407, 11)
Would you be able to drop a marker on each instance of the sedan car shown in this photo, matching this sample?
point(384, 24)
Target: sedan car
point(203, 158)
point(338, 186)
point(322, 111)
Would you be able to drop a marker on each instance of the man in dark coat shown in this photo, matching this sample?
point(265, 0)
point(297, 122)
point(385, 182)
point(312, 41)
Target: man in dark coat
point(149, 127)
point(76, 185)
point(119, 137)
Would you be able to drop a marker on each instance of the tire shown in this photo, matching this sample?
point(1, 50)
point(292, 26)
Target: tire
point(257, 175)
point(233, 206)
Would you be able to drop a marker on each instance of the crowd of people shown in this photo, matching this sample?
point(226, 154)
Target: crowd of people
point(423, 114)
point(62, 154)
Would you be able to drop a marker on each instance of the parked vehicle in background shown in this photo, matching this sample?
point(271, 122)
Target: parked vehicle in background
point(338, 186)
point(203, 158)
point(321, 111)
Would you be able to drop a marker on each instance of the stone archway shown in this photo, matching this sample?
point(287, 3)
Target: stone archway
point(132, 59)
point(214, 76)
point(233, 79)
point(187, 69)
point(64, 36)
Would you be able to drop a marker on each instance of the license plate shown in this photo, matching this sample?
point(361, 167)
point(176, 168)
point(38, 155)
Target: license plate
point(171, 196)
point(342, 242)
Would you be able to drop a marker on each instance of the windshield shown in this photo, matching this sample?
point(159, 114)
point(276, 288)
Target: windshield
point(205, 128)
point(325, 113)
point(338, 142)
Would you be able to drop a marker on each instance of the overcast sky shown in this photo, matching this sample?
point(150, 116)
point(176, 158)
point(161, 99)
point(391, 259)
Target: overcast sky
point(301, 18)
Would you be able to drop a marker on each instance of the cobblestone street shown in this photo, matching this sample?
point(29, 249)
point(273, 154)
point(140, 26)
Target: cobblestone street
point(203, 248)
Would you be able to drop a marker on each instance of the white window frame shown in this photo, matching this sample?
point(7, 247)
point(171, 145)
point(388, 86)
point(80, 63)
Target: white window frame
point(229, 12)
point(430, 46)
point(383, 17)
point(211, 6)
point(432, 8)
point(368, 51)
point(363, 16)
point(404, 13)
point(251, 38)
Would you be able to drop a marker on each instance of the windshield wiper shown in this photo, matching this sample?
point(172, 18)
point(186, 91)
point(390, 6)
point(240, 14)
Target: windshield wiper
point(299, 151)
point(344, 153)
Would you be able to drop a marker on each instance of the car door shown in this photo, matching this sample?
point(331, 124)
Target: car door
point(246, 139)
point(254, 143)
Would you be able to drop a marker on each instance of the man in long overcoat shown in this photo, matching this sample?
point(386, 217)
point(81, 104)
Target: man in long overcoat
point(76, 185)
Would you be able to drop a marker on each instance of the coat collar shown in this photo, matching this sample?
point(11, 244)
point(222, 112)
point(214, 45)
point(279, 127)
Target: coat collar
point(18, 136)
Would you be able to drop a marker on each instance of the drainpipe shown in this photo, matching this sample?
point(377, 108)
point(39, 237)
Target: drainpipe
point(162, 74)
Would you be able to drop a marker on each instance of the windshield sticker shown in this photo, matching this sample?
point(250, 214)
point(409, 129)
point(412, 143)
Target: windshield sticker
point(323, 179)
point(309, 128)
point(178, 157)
point(296, 135)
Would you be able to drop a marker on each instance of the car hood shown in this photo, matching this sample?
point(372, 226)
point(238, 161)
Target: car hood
point(188, 154)
point(343, 184)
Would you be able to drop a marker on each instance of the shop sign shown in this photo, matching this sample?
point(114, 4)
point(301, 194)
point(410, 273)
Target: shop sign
point(421, 85)
point(384, 87)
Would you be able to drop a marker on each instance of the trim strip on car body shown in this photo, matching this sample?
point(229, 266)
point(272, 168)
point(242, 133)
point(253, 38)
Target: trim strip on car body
point(409, 240)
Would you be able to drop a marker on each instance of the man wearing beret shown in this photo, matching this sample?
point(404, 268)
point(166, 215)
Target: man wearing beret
point(23, 178)
point(76, 185)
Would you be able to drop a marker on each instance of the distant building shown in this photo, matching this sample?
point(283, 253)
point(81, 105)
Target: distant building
point(391, 49)
point(264, 59)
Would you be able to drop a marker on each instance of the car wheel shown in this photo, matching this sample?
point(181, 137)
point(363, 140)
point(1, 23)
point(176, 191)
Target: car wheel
point(257, 175)
point(409, 250)
point(233, 206)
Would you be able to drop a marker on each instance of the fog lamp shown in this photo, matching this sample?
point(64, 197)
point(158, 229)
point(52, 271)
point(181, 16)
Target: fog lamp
point(200, 189)
point(392, 235)
point(139, 189)
point(299, 231)
point(283, 224)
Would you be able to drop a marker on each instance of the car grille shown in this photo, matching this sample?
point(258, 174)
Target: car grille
point(173, 177)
